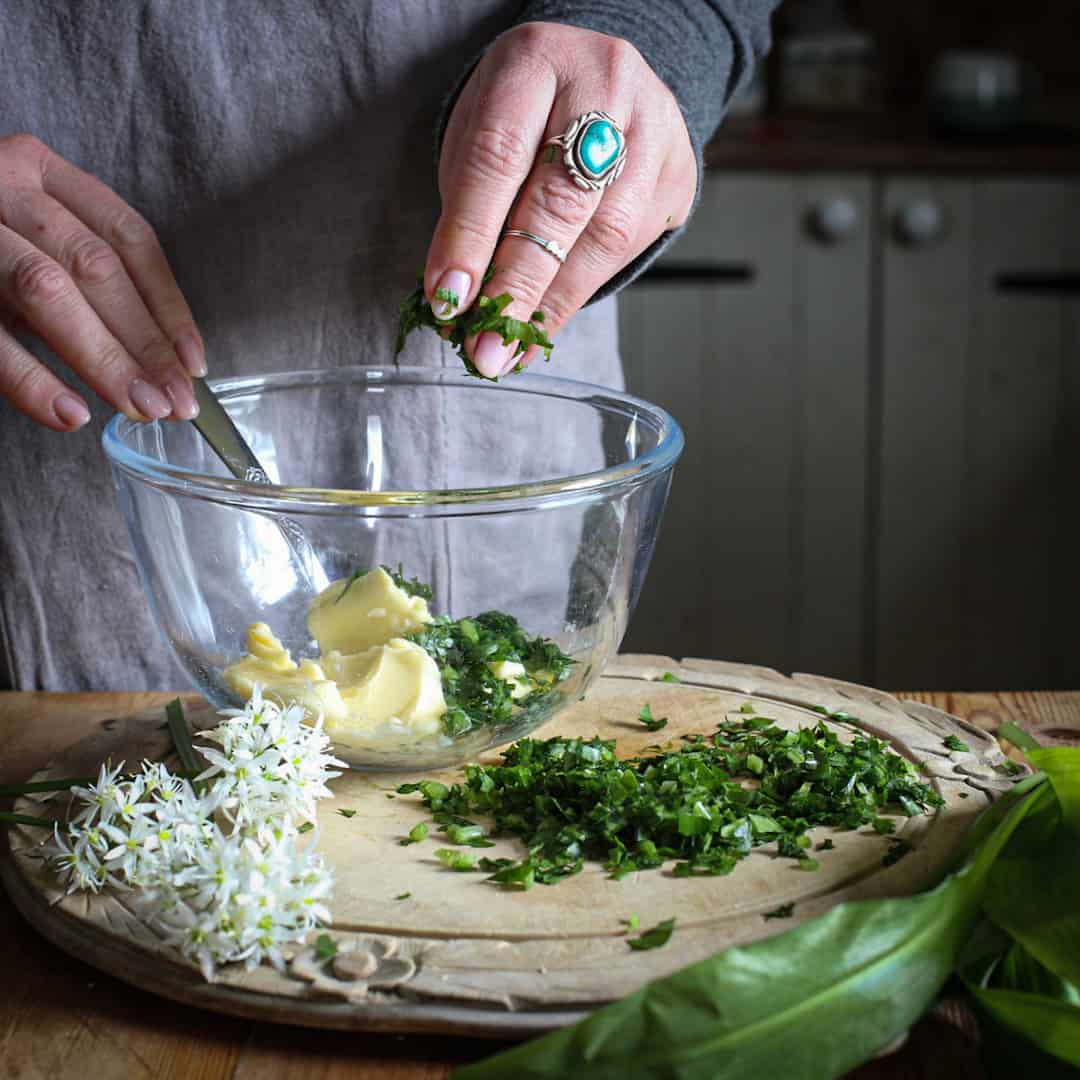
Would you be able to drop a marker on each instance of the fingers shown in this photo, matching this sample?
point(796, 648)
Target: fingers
point(36, 391)
point(101, 277)
point(550, 206)
point(488, 151)
point(44, 295)
point(651, 197)
point(134, 241)
point(492, 144)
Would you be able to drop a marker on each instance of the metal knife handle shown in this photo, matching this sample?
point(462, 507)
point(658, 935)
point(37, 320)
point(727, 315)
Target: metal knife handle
point(216, 427)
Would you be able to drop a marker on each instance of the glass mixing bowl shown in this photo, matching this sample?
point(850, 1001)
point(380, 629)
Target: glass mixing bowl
point(535, 496)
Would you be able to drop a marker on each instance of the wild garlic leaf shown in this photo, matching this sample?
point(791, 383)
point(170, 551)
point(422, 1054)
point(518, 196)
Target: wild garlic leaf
point(791, 1004)
point(659, 935)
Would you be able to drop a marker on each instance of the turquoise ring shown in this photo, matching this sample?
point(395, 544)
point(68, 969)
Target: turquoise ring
point(594, 150)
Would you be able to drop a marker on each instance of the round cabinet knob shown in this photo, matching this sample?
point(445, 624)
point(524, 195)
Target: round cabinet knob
point(833, 220)
point(919, 223)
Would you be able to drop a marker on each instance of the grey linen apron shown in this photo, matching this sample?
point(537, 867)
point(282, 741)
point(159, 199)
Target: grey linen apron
point(284, 153)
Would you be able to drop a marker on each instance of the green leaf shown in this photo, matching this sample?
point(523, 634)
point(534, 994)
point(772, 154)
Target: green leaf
point(1045, 919)
point(659, 935)
point(953, 743)
point(1062, 765)
point(403, 896)
point(459, 861)
point(1052, 1026)
point(467, 835)
point(864, 973)
point(416, 834)
point(1018, 736)
point(633, 922)
point(669, 677)
point(651, 724)
point(347, 813)
point(325, 947)
point(305, 827)
point(516, 876)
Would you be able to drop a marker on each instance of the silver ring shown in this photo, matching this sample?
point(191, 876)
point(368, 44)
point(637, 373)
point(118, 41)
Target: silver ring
point(594, 150)
point(548, 245)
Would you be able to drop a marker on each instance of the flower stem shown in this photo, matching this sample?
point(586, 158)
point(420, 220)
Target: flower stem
point(63, 784)
point(181, 737)
point(25, 819)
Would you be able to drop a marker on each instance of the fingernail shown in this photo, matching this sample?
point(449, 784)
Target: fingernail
point(70, 411)
point(191, 355)
point(149, 400)
point(491, 355)
point(184, 405)
point(515, 359)
point(451, 293)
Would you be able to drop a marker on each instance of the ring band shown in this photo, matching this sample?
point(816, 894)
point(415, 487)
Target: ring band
point(594, 150)
point(548, 245)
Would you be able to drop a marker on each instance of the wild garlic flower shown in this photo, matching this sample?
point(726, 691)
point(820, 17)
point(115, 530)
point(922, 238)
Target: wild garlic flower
point(219, 867)
point(272, 765)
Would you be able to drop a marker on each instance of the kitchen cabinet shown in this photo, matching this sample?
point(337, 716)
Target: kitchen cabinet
point(878, 380)
point(977, 546)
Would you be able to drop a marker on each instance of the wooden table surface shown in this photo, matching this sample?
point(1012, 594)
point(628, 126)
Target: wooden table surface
point(61, 1018)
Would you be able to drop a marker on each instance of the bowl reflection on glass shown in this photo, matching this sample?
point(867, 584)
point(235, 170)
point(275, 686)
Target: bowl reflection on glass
point(536, 496)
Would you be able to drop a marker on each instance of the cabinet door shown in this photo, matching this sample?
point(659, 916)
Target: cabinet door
point(753, 333)
point(978, 392)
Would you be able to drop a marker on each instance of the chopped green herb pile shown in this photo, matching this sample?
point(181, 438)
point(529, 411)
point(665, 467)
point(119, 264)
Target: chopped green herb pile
point(486, 313)
point(654, 938)
point(464, 649)
point(573, 799)
point(953, 743)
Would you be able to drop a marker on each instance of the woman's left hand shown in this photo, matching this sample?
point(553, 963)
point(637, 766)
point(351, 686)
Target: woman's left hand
point(530, 85)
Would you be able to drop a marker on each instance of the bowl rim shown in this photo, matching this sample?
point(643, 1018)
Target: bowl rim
point(270, 497)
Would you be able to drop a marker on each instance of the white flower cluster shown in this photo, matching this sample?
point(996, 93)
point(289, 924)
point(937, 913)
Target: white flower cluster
point(218, 866)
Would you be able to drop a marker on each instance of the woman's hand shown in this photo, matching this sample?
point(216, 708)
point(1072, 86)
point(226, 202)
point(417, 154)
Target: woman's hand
point(529, 86)
point(85, 272)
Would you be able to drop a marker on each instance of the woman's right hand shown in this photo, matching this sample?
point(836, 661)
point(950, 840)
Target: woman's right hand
point(85, 273)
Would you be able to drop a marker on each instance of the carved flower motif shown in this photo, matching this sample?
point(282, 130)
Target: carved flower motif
point(360, 965)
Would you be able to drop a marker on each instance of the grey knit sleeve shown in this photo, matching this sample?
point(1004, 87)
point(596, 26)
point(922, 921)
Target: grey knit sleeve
point(704, 50)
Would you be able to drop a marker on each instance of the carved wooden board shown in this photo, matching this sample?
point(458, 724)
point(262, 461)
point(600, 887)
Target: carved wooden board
point(462, 955)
